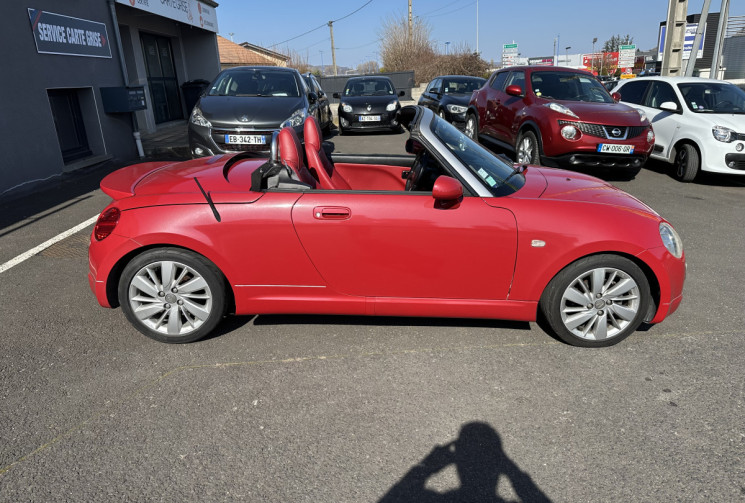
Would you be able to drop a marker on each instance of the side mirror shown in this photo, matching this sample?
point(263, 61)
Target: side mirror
point(514, 90)
point(312, 97)
point(402, 93)
point(616, 97)
point(447, 192)
point(336, 95)
point(669, 106)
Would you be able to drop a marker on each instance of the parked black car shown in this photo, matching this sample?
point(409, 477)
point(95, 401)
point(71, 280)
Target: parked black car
point(448, 96)
point(321, 109)
point(244, 105)
point(368, 103)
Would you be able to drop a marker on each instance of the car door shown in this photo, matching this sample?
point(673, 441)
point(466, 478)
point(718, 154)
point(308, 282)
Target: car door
point(401, 244)
point(509, 107)
point(429, 98)
point(495, 96)
point(666, 124)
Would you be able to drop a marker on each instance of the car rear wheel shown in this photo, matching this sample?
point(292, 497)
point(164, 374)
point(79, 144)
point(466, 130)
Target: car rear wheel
point(172, 295)
point(527, 148)
point(471, 128)
point(687, 163)
point(597, 301)
point(441, 113)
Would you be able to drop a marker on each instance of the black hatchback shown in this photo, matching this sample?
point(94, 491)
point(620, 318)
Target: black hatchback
point(448, 96)
point(241, 109)
point(368, 103)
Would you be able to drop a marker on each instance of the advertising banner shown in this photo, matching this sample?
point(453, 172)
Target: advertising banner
point(192, 12)
point(70, 36)
point(690, 35)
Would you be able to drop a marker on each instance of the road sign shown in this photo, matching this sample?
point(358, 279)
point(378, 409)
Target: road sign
point(626, 55)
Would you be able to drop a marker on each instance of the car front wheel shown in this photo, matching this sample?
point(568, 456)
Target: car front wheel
point(471, 128)
point(172, 295)
point(597, 301)
point(527, 148)
point(687, 163)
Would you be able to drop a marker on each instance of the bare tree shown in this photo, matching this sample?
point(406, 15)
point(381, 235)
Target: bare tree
point(368, 67)
point(400, 52)
point(613, 43)
point(299, 62)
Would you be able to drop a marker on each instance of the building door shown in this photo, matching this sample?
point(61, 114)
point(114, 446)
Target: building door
point(68, 121)
point(161, 78)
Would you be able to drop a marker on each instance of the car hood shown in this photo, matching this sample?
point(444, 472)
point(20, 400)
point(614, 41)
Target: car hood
point(255, 112)
point(221, 176)
point(735, 122)
point(563, 185)
point(613, 114)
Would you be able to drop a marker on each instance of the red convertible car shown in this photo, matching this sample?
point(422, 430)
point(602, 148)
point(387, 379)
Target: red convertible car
point(447, 230)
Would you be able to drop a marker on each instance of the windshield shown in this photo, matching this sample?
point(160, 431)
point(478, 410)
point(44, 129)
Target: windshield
point(713, 97)
point(255, 83)
point(461, 86)
point(498, 176)
point(569, 86)
point(369, 87)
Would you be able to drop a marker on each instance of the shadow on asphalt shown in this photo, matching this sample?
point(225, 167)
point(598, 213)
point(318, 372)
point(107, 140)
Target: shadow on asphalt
point(390, 321)
point(480, 461)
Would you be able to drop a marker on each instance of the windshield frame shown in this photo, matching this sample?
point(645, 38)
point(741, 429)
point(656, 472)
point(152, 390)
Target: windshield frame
point(593, 87)
point(691, 90)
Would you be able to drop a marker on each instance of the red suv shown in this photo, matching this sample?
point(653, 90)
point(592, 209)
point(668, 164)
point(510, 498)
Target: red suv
point(558, 117)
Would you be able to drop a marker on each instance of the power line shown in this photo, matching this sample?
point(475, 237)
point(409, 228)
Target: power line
point(452, 11)
point(443, 7)
point(323, 25)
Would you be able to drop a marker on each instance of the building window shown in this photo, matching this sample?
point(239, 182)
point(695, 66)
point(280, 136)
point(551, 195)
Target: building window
point(68, 121)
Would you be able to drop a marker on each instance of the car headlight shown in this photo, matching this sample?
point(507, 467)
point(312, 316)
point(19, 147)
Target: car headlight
point(671, 240)
point(346, 108)
point(650, 136)
point(390, 107)
point(569, 132)
point(198, 119)
point(296, 119)
point(456, 109)
point(722, 133)
point(557, 107)
point(642, 115)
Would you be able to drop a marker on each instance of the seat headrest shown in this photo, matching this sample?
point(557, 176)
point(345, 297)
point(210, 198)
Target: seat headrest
point(290, 151)
point(312, 133)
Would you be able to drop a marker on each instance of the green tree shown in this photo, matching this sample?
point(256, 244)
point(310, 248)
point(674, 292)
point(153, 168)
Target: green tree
point(613, 43)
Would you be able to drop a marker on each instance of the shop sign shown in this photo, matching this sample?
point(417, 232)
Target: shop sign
point(70, 36)
point(191, 12)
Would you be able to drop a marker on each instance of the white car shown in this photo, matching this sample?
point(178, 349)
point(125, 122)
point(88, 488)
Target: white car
point(699, 124)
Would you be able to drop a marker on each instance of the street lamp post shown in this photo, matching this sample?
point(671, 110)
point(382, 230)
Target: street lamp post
point(566, 54)
point(447, 48)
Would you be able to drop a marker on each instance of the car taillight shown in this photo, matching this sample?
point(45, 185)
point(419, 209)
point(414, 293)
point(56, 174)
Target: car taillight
point(106, 223)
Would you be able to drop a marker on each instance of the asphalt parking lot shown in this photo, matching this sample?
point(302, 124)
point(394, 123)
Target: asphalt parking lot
point(347, 409)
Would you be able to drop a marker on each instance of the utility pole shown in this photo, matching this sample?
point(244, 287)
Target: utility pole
point(716, 60)
point(411, 25)
point(477, 27)
point(697, 39)
point(592, 65)
point(675, 26)
point(333, 51)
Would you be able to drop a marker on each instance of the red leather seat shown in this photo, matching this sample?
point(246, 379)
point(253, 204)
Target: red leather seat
point(291, 155)
point(318, 163)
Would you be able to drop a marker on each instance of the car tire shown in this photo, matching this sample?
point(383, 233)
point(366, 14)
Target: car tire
point(687, 163)
point(471, 128)
point(527, 149)
point(441, 113)
point(341, 129)
point(172, 295)
point(596, 301)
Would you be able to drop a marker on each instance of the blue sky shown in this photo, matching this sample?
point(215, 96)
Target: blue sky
point(533, 24)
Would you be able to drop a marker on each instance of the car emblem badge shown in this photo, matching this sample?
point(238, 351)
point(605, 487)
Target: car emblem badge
point(369, 107)
point(616, 132)
point(243, 118)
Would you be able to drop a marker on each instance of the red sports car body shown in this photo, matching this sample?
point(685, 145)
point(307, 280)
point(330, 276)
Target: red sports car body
point(448, 230)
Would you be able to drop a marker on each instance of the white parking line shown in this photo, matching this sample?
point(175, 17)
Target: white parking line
point(46, 244)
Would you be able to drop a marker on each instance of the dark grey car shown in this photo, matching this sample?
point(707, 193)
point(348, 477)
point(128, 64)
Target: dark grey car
point(368, 103)
point(244, 105)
